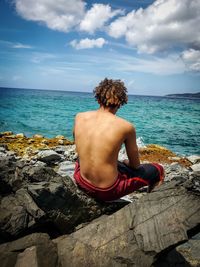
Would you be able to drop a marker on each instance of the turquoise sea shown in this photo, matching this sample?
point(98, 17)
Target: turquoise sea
point(171, 122)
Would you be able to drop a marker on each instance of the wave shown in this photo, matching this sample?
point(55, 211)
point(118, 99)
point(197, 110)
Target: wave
point(140, 142)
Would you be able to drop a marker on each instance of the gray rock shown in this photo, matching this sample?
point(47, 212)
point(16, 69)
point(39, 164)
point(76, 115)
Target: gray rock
point(30, 173)
point(13, 217)
point(122, 154)
point(43, 199)
point(39, 163)
point(196, 183)
point(190, 252)
point(18, 214)
point(194, 159)
point(48, 155)
point(186, 255)
point(28, 256)
point(66, 206)
point(8, 259)
point(11, 153)
point(136, 234)
point(175, 166)
point(5, 160)
point(196, 168)
point(22, 162)
point(71, 154)
point(35, 250)
point(66, 168)
point(3, 146)
point(44, 255)
point(2, 150)
point(60, 149)
point(175, 171)
point(7, 170)
point(23, 196)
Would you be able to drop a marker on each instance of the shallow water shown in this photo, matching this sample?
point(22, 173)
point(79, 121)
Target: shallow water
point(171, 122)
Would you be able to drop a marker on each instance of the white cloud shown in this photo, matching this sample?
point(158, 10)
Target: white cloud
point(15, 45)
point(61, 15)
point(97, 16)
point(88, 43)
point(191, 58)
point(167, 65)
point(39, 57)
point(121, 63)
point(19, 46)
point(163, 25)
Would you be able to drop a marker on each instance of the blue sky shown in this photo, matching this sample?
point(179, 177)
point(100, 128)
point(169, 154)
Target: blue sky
point(153, 46)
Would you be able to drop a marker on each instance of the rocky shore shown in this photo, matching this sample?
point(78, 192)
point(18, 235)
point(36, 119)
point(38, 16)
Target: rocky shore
point(45, 220)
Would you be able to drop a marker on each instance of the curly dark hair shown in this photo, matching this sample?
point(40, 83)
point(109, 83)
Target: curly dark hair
point(111, 93)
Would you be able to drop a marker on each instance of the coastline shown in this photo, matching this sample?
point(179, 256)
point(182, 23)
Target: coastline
point(29, 147)
point(42, 209)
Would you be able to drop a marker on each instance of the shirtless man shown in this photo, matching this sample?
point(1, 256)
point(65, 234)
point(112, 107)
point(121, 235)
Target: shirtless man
point(99, 135)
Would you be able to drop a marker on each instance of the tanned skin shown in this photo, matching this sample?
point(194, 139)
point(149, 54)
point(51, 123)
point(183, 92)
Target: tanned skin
point(98, 137)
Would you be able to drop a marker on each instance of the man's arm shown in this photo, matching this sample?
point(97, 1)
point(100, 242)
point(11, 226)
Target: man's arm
point(73, 131)
point(132, 148)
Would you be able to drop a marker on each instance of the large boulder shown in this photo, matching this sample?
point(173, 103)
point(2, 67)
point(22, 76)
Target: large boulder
point(7, 169)
point(67, 206)
point(42, 200)
point(138, 233)
point(35, 250)
point(18, 215)
point(184, 255)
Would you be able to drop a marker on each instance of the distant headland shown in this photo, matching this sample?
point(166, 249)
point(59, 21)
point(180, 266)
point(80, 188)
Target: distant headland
point(185, 95)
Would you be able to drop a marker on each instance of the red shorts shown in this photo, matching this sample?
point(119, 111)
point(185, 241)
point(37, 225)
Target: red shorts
point(128, 180)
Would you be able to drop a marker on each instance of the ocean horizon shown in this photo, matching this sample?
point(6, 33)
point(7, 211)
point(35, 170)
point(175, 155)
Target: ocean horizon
point(62, 90)
point(172, 122)
point(90, 92)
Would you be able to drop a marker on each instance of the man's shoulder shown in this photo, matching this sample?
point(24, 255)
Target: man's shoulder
point(83, 115)
point(126, 124)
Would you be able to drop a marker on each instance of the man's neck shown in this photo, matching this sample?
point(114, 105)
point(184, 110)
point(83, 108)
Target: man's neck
point(107, 109)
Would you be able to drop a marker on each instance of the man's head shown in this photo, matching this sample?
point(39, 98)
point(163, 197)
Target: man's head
point(111, 93)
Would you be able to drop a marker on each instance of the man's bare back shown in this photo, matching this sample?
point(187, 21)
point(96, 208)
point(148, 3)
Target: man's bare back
point(98, 136)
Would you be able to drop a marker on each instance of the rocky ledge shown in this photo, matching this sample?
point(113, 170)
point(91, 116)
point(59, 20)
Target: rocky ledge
point(45, 220)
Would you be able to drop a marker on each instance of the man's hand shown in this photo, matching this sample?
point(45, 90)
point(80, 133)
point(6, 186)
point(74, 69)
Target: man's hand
point(150, 187)
point(126, 161)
